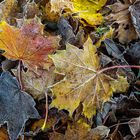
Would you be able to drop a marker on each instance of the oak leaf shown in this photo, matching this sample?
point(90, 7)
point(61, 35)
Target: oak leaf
point(83, 82)
point(26, 44)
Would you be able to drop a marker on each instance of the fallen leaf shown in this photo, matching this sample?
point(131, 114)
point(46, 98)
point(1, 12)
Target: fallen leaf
point(30, 10)
point(88, 10)
point(9, 9)
point(3, 134)
point(83, 82)
point(37, 81)
point(134, 125)
point(16, 106)
point(75, 131)
point(27, 44)
point(120, 14)
point(98, 133)
point(135, 14)
point(54, 8)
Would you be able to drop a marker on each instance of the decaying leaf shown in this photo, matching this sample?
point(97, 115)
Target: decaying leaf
point(59, 5)
point(30, 10)
point(75, 131)
point(120, 14)
point(16, 106)
point(134, 125)
point(80, 130)
point(54, 8)
point(9, 9)
point(27, 44)
point(135, 14)
point(83, 82)
point(36, 82)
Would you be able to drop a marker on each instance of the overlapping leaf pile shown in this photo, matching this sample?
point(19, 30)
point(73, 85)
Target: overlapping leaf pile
point(71, 58)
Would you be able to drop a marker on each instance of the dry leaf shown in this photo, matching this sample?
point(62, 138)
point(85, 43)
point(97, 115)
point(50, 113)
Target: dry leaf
point(83, 82)
point(36, 81)
point(120, 14)
point(27, 44)
point(54, 8)
point(135, 14)
point(9, 9)
point(134, 125)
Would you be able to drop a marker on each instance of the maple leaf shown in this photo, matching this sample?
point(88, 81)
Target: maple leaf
point(36, 82)
point(16, 106)
point(120, 14)
point(54, 8)
point(88, 10)
point(27, 44)
point(83, 82)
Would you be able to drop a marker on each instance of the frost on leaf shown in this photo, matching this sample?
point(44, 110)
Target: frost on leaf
point(27, 44)
point(36, 82)
point(83, 82)
point(16, 106)
point(8, 9)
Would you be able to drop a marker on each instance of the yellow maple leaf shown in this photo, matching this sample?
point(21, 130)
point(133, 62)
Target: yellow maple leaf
point(83, 82)
point(88, 10)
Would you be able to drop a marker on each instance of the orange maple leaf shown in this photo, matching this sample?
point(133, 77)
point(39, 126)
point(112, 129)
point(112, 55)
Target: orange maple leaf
point(27, 43)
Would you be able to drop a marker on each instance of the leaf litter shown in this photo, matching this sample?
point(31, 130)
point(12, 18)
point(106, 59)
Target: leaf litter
point(69, 69)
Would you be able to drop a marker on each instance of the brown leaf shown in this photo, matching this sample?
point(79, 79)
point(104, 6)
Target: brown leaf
point(134, 125)
point(120, 14)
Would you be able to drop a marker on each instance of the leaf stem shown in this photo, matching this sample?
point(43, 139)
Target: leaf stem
point(20, 74)
point(46, 116)
point(118, 66)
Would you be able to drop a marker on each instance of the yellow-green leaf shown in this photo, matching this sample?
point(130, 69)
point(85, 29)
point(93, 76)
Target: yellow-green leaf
point(88, 10)
point(83, 82)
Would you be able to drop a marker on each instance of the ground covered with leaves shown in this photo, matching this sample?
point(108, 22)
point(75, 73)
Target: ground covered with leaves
point(69, 70)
